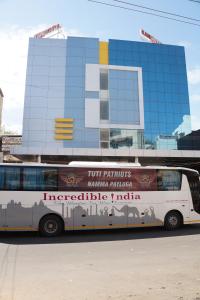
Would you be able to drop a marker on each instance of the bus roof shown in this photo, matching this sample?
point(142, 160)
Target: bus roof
point(102, 164)
point(85, 164)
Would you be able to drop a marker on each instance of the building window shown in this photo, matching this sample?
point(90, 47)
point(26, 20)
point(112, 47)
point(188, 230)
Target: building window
point(104, 138)
point(104, 97)
point(126, 138)
point(115, 138)
point(104, 79)
point(104, 110)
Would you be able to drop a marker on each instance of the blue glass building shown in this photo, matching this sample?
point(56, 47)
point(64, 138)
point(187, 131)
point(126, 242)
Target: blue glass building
point(84, 94)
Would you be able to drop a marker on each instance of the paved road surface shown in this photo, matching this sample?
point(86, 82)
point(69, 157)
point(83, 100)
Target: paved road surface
point(121, 264)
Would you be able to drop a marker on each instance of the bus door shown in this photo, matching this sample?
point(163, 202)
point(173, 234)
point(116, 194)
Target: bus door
point(188, 194)
point(174, 189)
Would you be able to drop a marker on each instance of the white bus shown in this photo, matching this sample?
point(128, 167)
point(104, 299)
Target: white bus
point(53, 198)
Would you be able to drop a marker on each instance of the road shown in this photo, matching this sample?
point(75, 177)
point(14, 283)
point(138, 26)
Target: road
point(120, 264)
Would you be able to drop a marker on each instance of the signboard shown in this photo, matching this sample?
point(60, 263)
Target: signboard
point(8, 141)
point(47, 31)
point(145, 35)
point(101, 179)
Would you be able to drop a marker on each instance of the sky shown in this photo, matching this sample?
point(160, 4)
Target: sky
point(21, 19)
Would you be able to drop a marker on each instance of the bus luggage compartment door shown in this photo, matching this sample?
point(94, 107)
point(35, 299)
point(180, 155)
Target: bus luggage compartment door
point(108, 216)
point(83, 217)
point(119, 215)
point(2, 216)
point(19, 216)
point(143, 214)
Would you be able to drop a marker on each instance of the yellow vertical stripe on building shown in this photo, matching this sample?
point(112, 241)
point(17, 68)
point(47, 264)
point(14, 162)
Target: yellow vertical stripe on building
point(103, 53)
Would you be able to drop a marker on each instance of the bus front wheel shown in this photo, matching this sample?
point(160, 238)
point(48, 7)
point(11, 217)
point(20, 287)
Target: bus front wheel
point(51, 225)
point(173, 220)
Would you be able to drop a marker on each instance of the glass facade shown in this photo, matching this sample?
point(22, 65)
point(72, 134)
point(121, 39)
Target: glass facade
point(165, 89)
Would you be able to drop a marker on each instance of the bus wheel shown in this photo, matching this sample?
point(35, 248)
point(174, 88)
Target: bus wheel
point(173, 220)
point(50, 225)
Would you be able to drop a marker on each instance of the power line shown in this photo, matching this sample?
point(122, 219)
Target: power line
point(143, 12)
point(160, 11)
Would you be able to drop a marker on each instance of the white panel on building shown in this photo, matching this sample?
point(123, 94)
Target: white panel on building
point(92, 113)
point(92, 77)
point(92, 83)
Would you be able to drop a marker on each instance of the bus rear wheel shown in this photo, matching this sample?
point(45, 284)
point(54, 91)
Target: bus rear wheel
point(173, 220)
point(50, 225)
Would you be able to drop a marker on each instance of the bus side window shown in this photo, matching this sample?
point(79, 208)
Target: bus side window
point(39, 179)
point(168, 180)
point(49, 178)
point(30, 179)
point(12, 178)
point(2, 178)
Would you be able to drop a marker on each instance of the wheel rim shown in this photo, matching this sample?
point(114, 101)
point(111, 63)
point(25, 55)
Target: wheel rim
point(51, 226)
point(173, 221)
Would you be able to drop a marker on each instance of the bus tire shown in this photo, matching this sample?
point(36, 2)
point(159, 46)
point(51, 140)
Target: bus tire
point(173, 220)
point(51, 225)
